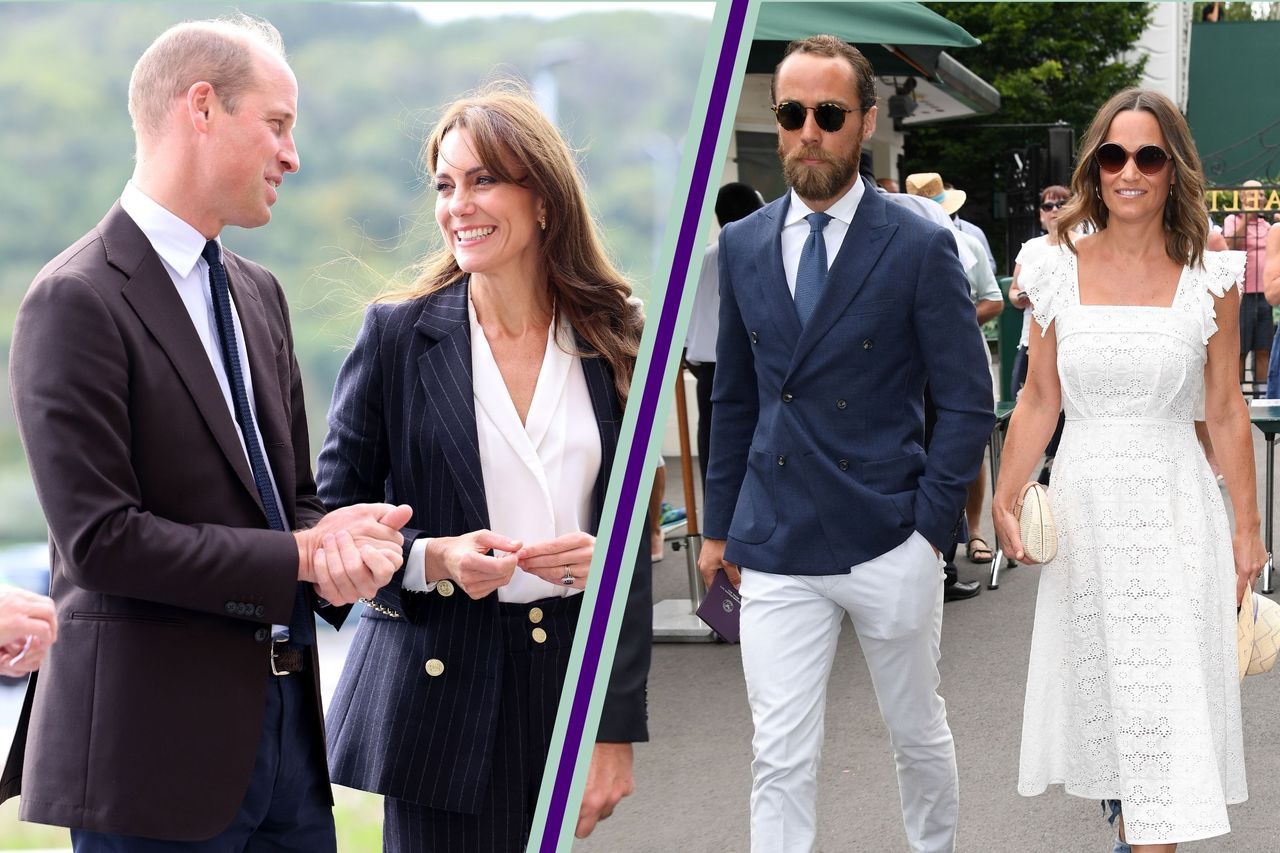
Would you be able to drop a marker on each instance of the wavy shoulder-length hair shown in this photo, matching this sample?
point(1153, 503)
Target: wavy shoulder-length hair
point(517, 143)
point(1186, 225)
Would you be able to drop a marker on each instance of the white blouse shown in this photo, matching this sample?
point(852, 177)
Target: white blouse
point(539, 476)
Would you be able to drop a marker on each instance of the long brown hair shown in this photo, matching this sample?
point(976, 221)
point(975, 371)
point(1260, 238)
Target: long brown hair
point(509, 133)
point(1186, 225)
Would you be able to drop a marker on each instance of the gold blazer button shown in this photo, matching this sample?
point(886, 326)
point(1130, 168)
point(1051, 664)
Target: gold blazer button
point(539, 635)
point(535, 615)
point(445, 588)
point(435, 667)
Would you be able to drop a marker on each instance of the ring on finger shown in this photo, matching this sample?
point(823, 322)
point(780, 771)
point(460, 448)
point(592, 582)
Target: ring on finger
point(567, 579)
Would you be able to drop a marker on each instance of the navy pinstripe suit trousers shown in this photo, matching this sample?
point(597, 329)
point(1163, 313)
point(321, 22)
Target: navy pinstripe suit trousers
point(532, 677)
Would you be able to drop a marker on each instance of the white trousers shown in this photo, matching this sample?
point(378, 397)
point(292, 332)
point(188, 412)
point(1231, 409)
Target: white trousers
point(790, 624)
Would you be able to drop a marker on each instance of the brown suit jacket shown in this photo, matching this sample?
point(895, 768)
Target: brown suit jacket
point(146, 716)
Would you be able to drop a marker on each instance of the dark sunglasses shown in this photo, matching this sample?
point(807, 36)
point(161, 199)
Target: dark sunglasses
point(830, 117)
point(1052, 205)
point(1149, 159)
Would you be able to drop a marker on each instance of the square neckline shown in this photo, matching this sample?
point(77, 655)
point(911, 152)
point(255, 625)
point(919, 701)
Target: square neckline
point(1075, 278)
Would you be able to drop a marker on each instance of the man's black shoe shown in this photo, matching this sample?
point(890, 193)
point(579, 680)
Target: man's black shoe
point(961, 590)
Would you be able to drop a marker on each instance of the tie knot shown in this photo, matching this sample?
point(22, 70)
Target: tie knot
point(212, 253)
point(817, 221)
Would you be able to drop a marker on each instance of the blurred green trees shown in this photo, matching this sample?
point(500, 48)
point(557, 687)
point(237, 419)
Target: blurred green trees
point(372, 78)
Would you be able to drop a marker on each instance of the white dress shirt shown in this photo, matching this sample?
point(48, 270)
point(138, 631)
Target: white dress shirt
point(795, 230)
point(179, 247)
point(539, 476)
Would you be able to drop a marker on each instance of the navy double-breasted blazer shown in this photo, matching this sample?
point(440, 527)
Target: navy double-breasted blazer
point(402, 428)
point(817, 459)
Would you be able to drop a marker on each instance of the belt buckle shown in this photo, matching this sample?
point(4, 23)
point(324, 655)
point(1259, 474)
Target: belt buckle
point(275, 671)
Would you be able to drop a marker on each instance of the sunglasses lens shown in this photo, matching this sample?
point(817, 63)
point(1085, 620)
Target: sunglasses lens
point(1052, 205)
point(829, 117)
point(1110, 157)
point(790, 115)
point(1150, 159)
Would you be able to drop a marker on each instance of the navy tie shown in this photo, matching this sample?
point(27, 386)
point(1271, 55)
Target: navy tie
point(811, 275)
point(301, 624)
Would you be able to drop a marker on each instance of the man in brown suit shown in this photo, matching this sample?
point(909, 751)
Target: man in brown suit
point(161, 409)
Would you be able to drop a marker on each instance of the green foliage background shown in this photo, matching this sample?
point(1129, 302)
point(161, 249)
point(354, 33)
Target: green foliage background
point(372, 78)
point(1050, 62)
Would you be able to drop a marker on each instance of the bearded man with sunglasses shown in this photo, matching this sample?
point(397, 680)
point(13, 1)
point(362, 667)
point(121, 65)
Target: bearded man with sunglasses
point(836, 307)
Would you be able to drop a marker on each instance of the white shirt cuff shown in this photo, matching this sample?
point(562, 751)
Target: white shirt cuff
point(415, 570)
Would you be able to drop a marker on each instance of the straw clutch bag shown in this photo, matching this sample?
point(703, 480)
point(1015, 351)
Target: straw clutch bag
point(1035, 522)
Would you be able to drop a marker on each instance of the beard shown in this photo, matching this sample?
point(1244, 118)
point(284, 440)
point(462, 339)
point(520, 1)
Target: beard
point(817, 183)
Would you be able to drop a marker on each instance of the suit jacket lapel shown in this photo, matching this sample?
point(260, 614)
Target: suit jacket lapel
point(771, 275)
point(604, 402)
point(868, 235)
point(445, 371)
point(153, 297)
point(268, 395)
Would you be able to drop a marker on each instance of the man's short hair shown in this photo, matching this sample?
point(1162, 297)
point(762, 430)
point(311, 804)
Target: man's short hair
point(736, 201)
point(834, 48)
point(219, 52)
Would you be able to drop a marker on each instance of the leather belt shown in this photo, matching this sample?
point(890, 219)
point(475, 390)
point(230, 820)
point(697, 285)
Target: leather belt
point(287, 659)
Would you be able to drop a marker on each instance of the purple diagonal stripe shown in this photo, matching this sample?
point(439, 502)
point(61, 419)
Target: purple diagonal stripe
point(652, 390)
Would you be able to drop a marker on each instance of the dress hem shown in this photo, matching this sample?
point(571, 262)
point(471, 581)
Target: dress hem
point(1027, 792)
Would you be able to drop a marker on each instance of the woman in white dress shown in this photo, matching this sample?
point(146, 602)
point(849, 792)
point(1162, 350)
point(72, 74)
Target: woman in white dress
point(1132, 691)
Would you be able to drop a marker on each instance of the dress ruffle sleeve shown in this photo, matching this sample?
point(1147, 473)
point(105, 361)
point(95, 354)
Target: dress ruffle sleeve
point(1047, 283)
point(1222, 271)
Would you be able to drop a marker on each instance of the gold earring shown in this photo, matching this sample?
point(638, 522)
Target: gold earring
point(542, 221)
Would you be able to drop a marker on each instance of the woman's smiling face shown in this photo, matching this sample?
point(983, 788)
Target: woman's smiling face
point(490, 225)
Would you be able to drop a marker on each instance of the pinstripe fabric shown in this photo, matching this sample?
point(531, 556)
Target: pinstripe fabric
point(532, 677)
point(402, 428)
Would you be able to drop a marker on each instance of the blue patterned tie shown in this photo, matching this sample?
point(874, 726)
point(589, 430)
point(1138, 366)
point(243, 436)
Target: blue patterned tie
point(811, 275)
point(301, 625)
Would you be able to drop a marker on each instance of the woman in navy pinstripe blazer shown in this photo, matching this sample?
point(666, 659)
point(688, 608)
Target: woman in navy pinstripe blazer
point(489, 398)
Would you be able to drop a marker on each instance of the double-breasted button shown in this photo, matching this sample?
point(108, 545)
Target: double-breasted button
point(435, 667)
point(782, 460)
point(260, 635)
point(755, 337)
point(246, 609)
point(445, 588)
point(231, 608)
point(259, 611)
point(841, 405)
point(539, 635)
point(787, 396)
point(535, 615)
point(868, 343)
point(843, 464)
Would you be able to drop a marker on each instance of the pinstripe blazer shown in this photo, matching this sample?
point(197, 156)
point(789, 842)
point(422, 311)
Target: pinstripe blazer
point(402, 428)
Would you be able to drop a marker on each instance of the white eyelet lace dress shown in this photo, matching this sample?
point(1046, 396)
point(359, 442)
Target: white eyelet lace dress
point(1132, 689)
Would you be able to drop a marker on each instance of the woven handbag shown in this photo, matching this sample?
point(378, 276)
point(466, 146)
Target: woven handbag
point(1035, 523)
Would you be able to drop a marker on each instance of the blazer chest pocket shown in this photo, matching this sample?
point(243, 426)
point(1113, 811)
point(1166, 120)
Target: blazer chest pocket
point(756, 514)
